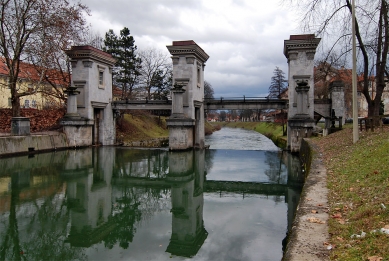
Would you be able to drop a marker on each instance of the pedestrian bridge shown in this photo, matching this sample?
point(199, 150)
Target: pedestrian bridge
point(235, 103)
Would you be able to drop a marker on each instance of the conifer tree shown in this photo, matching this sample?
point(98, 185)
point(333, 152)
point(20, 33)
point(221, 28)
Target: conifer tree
point(126, 70)
point(278, 83)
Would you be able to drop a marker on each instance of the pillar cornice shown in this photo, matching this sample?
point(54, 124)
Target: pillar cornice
point(304, 42)
point(188, 48)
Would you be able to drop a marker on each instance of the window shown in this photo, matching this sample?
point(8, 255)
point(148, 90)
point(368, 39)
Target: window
point(198, 77)
point(101, 77)
point(27, 104)
point(9, 102)
point(101, 70)
point(33, 103)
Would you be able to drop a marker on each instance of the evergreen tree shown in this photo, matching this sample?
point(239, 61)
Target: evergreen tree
point(126, 70)
point(162, 83)
point(278, 83)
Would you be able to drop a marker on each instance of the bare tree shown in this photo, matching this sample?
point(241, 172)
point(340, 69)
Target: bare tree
point(32, 31)
point(332, 21)
point(154, 62)
point(208, 90)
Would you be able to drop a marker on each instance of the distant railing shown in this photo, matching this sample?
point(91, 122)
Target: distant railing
point(244, 99)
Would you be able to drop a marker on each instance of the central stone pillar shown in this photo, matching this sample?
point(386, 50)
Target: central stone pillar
point(300, 51)
point(186, 125)
point(180, 126)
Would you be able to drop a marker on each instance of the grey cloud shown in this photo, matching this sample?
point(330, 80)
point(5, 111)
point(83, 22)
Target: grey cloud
point(243, 51)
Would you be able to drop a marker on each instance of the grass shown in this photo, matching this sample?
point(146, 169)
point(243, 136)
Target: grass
point(358, 183)
point(141, 126)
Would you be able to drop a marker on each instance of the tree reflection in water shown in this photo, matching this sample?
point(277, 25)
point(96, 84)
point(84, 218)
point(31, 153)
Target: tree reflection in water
point(58, 205)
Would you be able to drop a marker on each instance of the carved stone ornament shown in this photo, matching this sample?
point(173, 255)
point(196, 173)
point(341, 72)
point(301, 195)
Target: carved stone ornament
point(301, 83)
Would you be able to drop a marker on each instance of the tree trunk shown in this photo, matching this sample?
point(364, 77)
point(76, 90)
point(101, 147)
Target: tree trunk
point(15, 100)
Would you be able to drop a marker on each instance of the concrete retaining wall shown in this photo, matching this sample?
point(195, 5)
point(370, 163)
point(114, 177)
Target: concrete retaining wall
point(310, 226)
point(28, 144)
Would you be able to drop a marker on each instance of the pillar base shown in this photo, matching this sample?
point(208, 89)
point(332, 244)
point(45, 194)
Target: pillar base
point(20, 126)
point(78, 131)
point(181, 133)
point(298, 129)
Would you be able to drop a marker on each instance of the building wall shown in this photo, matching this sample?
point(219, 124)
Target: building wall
point(362, 104)
point(37, 100)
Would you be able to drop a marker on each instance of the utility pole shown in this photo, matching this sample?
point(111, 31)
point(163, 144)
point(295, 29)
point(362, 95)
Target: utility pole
point(354, 80)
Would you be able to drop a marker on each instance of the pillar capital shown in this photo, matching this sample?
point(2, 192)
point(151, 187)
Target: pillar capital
point(188, 49)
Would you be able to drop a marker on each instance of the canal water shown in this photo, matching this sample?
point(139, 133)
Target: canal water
point(234, 201)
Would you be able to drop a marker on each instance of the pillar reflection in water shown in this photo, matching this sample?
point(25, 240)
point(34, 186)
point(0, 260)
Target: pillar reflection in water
point(89, 195)
point(186, 176)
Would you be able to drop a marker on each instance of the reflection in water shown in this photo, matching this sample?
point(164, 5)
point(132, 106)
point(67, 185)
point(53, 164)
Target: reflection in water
point(116, 203)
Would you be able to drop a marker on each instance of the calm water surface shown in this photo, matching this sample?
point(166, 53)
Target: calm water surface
point(234, 201)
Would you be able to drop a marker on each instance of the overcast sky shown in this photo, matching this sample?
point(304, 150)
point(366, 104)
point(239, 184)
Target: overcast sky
point(244, 38)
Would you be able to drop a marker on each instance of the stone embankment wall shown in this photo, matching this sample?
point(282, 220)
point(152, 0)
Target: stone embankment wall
point(149, 143)
point(309, 234)
point(13, 145)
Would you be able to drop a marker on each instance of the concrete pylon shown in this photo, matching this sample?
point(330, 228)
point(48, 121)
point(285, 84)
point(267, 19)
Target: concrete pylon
point(186, 125)
point(300, 51)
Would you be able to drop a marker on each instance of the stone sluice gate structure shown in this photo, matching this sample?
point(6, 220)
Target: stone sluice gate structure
point(90, 117)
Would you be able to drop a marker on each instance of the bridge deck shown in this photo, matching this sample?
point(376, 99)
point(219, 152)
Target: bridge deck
point(244, 103)
point(240, 103)
point(142, 105)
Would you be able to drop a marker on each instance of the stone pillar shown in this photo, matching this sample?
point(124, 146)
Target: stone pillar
point(186, 130)
point(300, 51)
point(180, 126)
point(337, 99)
point(20, 126)
point(92, 75)
point(178, 98)
point(71, 111)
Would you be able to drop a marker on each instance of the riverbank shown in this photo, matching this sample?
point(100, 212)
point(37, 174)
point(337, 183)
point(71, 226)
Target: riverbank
point(358, 181)
point(343, 212)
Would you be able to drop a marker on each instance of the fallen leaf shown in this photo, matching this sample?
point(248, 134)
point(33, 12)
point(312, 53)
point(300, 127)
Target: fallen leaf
point(351, 189)
point(309, 199)
point(315, 220)
point(341, 221)
point(314, 211)
point(375, 258)
point(386, 226)
point(319, 205)
point(340, 239)
point(337, 209)
point(326, 243)
point(337, 215)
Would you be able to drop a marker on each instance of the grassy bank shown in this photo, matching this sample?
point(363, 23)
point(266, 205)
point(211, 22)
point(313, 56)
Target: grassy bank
point(141, 126)
point(271, 130)
point(358, 182)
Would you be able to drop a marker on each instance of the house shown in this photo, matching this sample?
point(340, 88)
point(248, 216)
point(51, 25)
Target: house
point(45, 91)
point(325, 74)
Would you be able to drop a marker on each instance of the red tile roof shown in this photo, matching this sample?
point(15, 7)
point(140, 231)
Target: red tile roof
point(302, 37)
point(90, 48)
point(182, 43)
point(32, 73)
